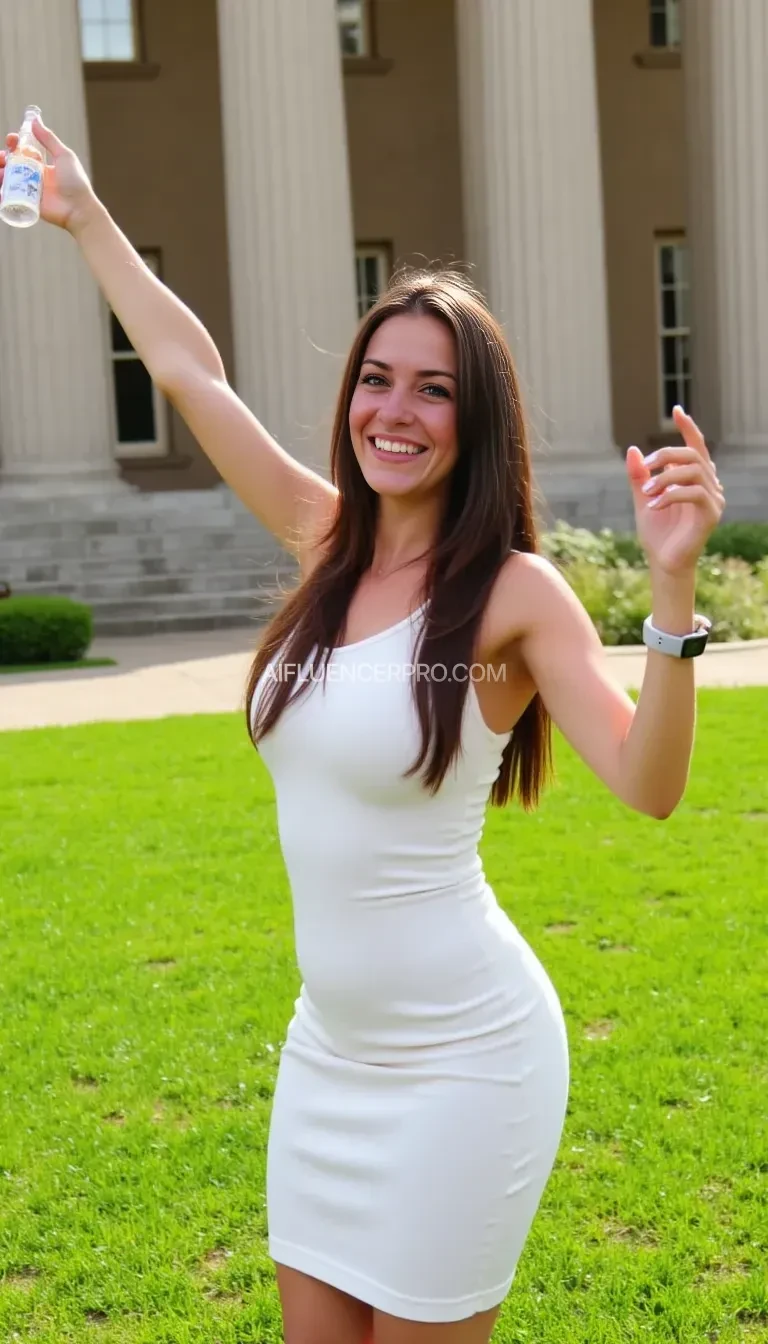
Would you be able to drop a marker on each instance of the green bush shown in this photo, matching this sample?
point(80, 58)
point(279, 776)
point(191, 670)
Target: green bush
point(609, 573)
point(618, 599)
point(43, 630)
point(566, 544)
point(734, 596)
point(743, 541)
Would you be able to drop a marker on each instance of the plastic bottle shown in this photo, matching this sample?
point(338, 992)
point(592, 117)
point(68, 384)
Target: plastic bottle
point(22, 189)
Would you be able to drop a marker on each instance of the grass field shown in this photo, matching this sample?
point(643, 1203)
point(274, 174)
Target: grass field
point(148, 975)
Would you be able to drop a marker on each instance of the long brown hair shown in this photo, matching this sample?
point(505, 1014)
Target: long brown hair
point(488, 514)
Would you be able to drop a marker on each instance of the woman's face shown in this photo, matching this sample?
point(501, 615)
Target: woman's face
point(402, 417)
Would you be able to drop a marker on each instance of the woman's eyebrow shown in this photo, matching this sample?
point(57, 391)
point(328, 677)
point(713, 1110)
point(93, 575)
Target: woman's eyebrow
point(422, 373)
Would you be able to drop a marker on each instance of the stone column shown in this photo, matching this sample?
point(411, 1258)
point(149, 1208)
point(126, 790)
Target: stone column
point(291, 243)
point(57, 430)
point(534, 230)
point(725, 58)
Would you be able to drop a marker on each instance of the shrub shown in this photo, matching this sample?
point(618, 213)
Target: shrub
point(734, 597)
point(618, 599)
point(43, 630)
point(566, 544)
point(742, 541)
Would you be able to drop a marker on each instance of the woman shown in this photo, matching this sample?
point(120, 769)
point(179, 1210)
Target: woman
point(423, 1084)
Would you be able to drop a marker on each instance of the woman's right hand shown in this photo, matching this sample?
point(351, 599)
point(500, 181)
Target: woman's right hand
point(68, 196)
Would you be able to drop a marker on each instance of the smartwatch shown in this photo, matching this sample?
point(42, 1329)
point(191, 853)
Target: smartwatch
point(678, 646)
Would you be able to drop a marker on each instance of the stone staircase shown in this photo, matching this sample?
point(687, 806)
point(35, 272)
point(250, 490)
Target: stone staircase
point(168, 561)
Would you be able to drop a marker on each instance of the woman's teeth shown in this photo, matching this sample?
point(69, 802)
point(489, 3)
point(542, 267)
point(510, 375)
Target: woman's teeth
point(394, 446)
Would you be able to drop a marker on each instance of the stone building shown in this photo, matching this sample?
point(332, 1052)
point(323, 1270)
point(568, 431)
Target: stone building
point(601, 164)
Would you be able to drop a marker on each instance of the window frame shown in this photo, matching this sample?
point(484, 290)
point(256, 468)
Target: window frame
point(159, 447)
point(668, 8)
point(662, 240)
point(368, 33)
point(115, 62)
point(381, 252)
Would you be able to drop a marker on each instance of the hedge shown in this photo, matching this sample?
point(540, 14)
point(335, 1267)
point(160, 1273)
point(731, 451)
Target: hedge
point(43, 630)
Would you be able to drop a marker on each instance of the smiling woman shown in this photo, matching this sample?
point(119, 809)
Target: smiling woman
point(423, 1082)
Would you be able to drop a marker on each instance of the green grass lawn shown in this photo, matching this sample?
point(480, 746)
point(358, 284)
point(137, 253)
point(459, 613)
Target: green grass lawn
point(147, 977)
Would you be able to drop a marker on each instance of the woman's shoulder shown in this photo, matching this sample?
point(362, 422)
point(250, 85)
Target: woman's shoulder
point(528, 589)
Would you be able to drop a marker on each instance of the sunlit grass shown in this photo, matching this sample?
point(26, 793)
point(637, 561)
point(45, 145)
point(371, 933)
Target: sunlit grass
point(148, 975)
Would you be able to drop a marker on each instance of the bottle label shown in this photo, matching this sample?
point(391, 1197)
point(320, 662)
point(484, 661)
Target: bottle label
point(23, 182)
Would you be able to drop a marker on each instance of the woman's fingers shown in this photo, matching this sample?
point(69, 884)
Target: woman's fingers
point(690, 473)
point(11, 140)
point(666, 457)
point(689, 494)
point(47, 138)
point(691, 432)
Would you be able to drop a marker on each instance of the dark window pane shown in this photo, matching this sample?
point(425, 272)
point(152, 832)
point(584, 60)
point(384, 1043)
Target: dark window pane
point(658, 29)
point(119, 339)
point(135, 405)
point(684, 355)
point(667, 265)
point(668, 308)
point(670, 396)
point(349, 39)
point(372, 278)
point(669, 354)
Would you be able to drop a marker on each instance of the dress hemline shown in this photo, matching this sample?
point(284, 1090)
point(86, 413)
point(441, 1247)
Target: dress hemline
point(427, 1310)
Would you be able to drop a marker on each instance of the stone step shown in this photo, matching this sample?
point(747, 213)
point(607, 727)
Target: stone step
point(179, 560)
point(181, 604)
point(173, 623)
point(199, 581)
point(161, 524)
point(49, 550)
point(30, 576)
point(217, 500)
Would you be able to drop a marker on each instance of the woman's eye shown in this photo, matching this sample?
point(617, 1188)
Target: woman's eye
point(436, 387)
point(372, 379)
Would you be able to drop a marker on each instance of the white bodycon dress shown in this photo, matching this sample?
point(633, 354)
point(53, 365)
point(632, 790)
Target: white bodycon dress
point(422, 1086)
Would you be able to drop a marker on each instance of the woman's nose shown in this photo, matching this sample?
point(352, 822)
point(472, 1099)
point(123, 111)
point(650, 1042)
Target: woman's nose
point(396, 408)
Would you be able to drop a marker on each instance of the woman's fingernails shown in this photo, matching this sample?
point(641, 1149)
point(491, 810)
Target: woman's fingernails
point(651, 458)
point(649, 486)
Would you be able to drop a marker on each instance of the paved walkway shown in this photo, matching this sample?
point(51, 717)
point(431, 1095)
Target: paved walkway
point(159, 675)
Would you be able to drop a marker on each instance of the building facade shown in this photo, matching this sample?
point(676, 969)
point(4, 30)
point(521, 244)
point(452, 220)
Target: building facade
point(600, 165)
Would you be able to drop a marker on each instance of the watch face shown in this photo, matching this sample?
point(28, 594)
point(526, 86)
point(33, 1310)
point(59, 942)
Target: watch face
point(694, 645)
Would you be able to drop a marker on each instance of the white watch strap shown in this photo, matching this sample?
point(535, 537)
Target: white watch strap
point(677, 646)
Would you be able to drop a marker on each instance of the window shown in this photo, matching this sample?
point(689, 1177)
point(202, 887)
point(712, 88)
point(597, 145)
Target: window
point(108, 30)
point(353, 27)
point(674, 326)
point(141, 410)
point(665, 23)
point(373, 267)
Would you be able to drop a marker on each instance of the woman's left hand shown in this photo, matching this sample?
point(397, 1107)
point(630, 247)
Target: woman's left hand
point(677, 509)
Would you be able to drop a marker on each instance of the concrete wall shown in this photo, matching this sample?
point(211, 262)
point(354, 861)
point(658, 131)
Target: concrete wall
point(403, 132)
point(643, 159)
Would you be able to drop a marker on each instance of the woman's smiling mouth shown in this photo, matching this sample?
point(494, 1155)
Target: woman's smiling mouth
point(394, 449)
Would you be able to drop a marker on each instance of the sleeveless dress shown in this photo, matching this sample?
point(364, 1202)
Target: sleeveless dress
point(422, 1087)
